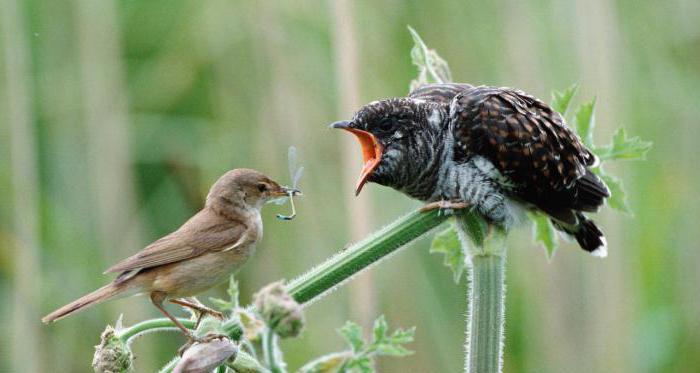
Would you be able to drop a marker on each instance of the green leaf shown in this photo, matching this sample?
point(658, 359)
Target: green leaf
point(544, 233)
point(403, 335)
point(618, 197)
point(431, 67)
point(447, 242)
point(353, 334)
point(392, 350)
point(221, 304)
point(585, 122)
point(363, 364)
point(232, 303)
point(331, 363)
point(379, 330)
point(562, 100)
point(233, 291)
point(623, 147)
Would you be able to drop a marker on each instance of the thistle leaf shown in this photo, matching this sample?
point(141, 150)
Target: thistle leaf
point(618, 197)
point(379, 329)
point(623, 147)
point(353, 334)
point(562, 99)
point(431, 67)
point(584, 120)
point(544, 233)
point(447, 243)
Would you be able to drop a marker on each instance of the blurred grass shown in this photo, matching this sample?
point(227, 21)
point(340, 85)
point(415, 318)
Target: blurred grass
point(202, 87)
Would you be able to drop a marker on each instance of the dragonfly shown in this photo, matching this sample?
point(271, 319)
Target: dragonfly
point(295, 172)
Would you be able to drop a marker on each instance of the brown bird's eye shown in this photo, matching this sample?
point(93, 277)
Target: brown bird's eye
point(262, 187)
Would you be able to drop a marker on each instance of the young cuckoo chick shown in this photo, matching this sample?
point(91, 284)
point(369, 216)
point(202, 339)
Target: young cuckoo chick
point(497, 150)
point(202, 253)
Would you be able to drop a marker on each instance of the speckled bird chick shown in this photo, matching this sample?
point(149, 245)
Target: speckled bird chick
point(498, 150)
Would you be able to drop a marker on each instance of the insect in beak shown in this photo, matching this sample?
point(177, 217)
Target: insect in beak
point(291, 193)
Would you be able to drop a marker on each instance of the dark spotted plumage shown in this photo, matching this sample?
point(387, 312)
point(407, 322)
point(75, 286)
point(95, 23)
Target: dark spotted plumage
point(494, 148)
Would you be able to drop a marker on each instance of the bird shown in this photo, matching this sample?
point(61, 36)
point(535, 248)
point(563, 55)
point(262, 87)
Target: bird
point(496, 150)
point(203, 252)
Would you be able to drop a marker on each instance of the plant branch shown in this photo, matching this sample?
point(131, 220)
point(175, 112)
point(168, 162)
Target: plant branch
point(485, 263)
point(324, 277)
point(340, 267)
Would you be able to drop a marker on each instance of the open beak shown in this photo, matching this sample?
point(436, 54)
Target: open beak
point(371, 151)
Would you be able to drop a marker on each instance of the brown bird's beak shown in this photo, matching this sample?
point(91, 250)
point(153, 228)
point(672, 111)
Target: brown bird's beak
point(284, 191)
point(371, 151)
point(293, 191)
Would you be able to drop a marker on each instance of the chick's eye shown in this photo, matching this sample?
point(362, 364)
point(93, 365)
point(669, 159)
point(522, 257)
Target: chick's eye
point(262, 187)
point(386, 124)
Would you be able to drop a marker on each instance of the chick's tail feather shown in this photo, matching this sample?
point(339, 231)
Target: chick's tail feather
point(586, 233)
point(100, 295)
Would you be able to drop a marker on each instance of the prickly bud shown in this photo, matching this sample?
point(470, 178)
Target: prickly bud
point(112, 355)
point(279, 310)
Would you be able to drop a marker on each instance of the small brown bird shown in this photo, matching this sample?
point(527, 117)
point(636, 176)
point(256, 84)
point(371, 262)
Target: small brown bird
point(202, 253)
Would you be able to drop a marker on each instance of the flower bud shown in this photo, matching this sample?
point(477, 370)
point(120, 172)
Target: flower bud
point(279, 310)
point(204, 357)
point(112, 355)
point(245, 363)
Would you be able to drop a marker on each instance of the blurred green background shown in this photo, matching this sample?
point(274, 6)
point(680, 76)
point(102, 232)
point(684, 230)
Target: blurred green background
point(117, 116)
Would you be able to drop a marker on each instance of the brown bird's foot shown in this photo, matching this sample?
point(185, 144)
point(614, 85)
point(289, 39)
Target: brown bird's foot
point(456, 204)
point(201, 309)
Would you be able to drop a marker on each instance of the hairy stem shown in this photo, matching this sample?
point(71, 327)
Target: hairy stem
point(486, 314)
point(270, 353)
point(340, 267)
point(359, 256)
point(484, 250)
point(151, 325)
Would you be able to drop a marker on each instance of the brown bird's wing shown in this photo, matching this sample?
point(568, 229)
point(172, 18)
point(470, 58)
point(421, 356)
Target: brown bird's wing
point(204, 232)
point(530, 144)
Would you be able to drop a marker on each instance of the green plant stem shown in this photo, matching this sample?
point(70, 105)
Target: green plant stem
point(486, 314)
point(485, 255)
point(151, 325)
point(269, 352)
point(359, 256)
point(340, 267)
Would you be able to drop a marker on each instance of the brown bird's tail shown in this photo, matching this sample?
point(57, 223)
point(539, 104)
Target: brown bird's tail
point(98, 296)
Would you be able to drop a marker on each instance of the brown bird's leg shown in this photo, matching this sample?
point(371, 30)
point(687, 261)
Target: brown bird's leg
point(157, 298)
point(445, 205)
point(201, 309)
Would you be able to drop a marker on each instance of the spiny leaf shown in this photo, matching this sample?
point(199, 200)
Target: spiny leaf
point(623, 147)
point(363, 365)
point(431, 67)
point(447, 242)
point(618, 197)
point(585, 122)
point(544, 233)
point(379, 329)
point(353, 334)
point(403, 335)
point(562, 99)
